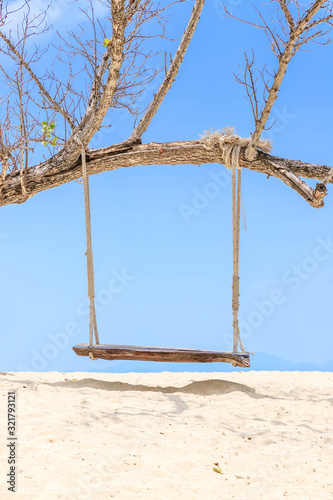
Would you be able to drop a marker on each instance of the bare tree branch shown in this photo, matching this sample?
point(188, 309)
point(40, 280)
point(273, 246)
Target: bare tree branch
point(39, 84)
point(43, 176)
point(93, 117)
point(287, 13)
point(170, 75)
point(284, 60)
point(284, 45)
point(116, 77)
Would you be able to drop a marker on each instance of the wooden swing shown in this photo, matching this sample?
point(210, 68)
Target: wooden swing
point(166, 354)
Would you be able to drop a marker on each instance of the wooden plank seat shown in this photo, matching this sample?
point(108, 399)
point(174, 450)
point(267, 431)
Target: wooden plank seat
point(161, 354)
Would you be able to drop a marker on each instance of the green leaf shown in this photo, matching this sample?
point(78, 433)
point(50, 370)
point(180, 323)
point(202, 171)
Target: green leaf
point(52, 126)
point(44, 124)
point(44, 143)
point(107, 42)
point(218, 470)
point(54, 142)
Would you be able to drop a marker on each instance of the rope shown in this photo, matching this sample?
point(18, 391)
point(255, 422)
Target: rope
point(227, 138)
point(231, 146)
point(243, 213)
point(89, 254)
point(236, 215)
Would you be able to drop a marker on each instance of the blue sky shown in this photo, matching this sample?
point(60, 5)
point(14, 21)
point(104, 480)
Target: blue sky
point(164, 278)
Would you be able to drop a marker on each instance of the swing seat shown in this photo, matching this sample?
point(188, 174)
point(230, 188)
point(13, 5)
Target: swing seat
point(162, 354)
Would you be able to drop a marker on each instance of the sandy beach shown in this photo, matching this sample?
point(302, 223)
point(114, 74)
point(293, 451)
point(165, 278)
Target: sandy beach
point(161, 435)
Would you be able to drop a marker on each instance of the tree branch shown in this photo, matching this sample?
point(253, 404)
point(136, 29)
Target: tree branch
point(287, 14)
point(93, 117)
point(65, 166)
point(284, 60)
point(170, 75)
point(39, 84)
point(43, 176)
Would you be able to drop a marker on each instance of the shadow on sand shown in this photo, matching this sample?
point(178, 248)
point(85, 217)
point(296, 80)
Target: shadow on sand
point(202, 387)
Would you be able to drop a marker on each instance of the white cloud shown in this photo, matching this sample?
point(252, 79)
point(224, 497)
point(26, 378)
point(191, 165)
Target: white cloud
point(63, 14)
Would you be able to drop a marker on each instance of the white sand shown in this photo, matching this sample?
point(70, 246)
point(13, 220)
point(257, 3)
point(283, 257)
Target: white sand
point(158, 435)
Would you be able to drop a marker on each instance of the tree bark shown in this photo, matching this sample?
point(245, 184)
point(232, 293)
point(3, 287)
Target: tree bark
point(62, 169)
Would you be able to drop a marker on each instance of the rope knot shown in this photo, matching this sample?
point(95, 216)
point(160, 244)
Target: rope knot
point(231, 145)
